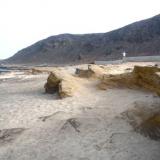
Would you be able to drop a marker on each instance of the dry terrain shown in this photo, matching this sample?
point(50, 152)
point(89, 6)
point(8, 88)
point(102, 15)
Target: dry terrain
point(93, 124)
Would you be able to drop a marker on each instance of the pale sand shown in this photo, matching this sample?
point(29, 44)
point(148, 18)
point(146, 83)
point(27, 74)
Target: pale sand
point(87, 126)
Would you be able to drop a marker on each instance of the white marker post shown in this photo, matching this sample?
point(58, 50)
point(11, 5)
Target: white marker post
point(124, 56)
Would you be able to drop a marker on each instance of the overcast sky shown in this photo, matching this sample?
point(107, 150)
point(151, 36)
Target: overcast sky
point(23, 22)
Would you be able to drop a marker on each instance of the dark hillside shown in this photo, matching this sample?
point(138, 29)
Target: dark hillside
point(137, 39)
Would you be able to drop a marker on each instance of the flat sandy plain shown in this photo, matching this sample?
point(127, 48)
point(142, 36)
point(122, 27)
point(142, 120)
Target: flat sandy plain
point(87, 126)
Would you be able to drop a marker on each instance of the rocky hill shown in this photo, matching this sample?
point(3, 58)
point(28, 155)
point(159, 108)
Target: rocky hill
point(137, 39)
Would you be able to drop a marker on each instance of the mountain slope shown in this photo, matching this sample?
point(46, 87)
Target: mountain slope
point(139, 38)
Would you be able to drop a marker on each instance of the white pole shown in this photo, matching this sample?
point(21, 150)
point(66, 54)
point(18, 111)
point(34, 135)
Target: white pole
point(124, 56)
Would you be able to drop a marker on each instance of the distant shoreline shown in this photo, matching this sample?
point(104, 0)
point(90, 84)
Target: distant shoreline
point(4, 69)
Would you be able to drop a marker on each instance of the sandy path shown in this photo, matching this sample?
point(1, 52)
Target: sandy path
point(87, 126)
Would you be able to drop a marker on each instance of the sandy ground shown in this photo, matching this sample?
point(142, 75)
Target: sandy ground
point(88, 126)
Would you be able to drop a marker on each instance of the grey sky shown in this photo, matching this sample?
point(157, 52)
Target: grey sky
point(23, 22)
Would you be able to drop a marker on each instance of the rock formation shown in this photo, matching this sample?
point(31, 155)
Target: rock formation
point(61, 82)
point(147, 77)
point(93, 71)
point(145, 119)
point(142, 76)
point(65, 84)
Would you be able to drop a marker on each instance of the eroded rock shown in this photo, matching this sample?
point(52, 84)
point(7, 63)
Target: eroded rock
point(93, 71)
point(145, 119)
point(147, 77)
point(61, 82)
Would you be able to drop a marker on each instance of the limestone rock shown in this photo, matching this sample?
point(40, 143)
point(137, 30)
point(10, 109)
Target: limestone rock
point(118, 80)
point(145, 119)
point(52, 84)
point(93, 71)
point(61, 82)
point(147, 77)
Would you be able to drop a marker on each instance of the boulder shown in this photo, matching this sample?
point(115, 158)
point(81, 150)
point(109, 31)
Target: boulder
point(93, 71)
point(84, 73)
point(61, 82)
point(52, 84)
